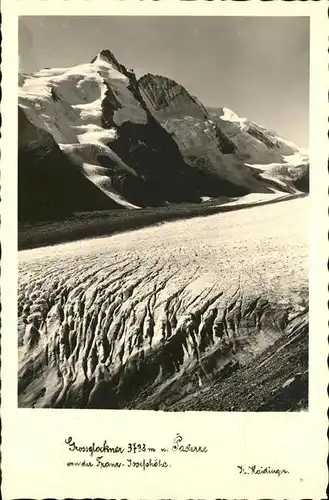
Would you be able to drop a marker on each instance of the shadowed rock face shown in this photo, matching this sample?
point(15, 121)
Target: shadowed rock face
point(302, 181)
point(149, 149)
point(164, 319)
point(168, 99)
point(50, 186)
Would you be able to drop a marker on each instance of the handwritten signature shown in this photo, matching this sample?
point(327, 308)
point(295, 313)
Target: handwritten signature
point(253, 469)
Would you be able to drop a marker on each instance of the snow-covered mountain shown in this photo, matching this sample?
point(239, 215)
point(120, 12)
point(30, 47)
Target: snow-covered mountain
point(92, 136)
point(277, 158)
point(96, 116)
point(223, 141)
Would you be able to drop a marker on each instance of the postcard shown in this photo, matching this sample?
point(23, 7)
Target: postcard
point(163, 284)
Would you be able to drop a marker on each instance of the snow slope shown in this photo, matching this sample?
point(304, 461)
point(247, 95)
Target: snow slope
point(255, 143)
point(67, 102)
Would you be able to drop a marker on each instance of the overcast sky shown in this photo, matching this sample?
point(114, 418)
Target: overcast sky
point(257, 66)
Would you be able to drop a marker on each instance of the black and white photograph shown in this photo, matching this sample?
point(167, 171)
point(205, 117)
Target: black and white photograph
point(163, 206)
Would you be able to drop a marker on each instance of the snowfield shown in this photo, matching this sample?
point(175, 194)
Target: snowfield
point(122, 321)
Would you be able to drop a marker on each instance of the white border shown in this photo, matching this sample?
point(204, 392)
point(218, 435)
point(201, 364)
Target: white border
point(33, 451)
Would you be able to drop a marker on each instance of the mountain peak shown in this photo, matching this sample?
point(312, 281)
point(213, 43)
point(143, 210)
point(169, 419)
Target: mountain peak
point(108, 56)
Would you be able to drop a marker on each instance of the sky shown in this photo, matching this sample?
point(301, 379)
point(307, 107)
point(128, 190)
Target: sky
point(256, 66)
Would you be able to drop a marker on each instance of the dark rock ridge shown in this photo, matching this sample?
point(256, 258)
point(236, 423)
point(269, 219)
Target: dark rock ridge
point(149, 149)
point(169, 99)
